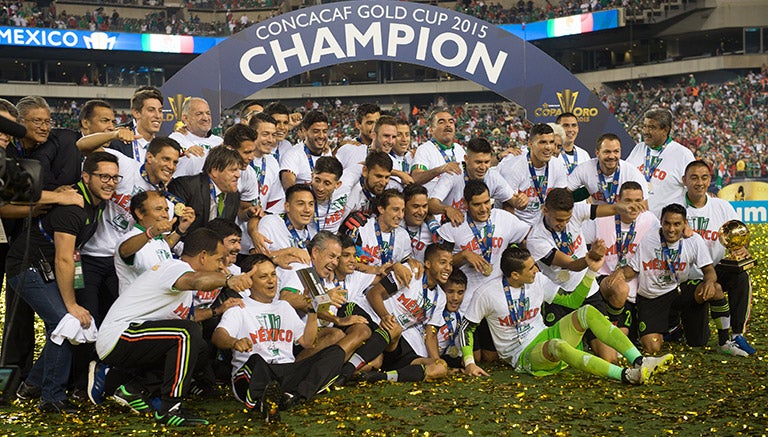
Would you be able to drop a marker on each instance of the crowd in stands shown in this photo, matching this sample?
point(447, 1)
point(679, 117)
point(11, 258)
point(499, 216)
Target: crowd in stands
point(156, 21)
point(27, 14)
point(724, 124)
point(528, 12)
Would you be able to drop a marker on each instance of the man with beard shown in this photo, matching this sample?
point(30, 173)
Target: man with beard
point(447, 198)
point(603, 175)
point(355, 151)
point(363, 192)
point(51, 276)
point(534, 173)
point(421, 227)
point(297, 164)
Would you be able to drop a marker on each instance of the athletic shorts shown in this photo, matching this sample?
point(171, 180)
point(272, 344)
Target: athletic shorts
point(482, 338)
point(400, 357)
point(654, 314)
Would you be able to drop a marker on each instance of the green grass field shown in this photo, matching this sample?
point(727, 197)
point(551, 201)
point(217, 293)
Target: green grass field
point(703, 393)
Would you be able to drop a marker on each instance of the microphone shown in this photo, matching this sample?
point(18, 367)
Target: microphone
point(12, 128)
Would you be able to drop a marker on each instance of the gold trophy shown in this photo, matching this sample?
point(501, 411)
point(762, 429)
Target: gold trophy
point(734, 235)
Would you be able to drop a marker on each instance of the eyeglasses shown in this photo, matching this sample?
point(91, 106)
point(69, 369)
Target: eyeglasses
point(103, 177)
point(39, 122)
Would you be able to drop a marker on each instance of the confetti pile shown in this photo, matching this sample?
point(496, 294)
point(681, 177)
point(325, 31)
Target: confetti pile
point(704, 392)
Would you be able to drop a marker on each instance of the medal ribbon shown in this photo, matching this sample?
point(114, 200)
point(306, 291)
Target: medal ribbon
point(485, 243)
point(301, 243)
point(622, 245)
point(541, 189)
point(386, 253)
point(608, 194)
point(666, 255)
point(516, 312)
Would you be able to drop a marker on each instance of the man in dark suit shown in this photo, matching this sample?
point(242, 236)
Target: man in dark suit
point(213, 193)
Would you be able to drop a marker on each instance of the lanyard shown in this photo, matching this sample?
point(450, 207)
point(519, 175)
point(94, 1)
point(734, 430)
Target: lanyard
point(568, 164)
point(563, 241)
point(424, 288)
point(667, 257)
point(451, 331)
point(403, 164)
point(144, 175)
point(213, 195)
point(622, 245)
point(323, 218)
point(541, 189)
point(136, 148)
point(261, 172)
point(516, 312)
point(386, 252)
point(442, 148)
point(486, 242)
point(368, 195)
point(19, 149)
point(301, 243)
point(608, 194)
point(649, 169)
point(466, 175)
point(309, 158)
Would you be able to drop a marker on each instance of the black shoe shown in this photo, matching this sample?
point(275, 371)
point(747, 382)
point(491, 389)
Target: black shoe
point(27, 392)
point(270, 402)
point(176, 416)
point(79, 395)
point(60, 407)
point(370, 376)
point(289, 401)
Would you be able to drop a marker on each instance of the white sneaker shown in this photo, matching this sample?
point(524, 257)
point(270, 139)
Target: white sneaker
point(731, 348)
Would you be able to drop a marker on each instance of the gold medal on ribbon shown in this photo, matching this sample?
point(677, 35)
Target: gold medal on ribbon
point(453, 351)
point(178, 209)
point(563, 276)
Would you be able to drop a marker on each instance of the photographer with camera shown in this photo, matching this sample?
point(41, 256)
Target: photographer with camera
point(47, 279)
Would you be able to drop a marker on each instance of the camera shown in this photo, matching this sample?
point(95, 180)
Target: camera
point(20, 180)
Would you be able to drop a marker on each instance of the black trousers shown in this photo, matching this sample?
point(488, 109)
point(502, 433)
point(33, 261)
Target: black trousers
point(303, 378)
point(739, 290)
point(18, 333)
point(98, 295)
point(175, 346)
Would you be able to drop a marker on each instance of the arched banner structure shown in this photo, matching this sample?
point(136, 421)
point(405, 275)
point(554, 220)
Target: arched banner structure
point(290, 44)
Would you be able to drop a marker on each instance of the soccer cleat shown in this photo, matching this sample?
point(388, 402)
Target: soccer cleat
point(731, 348)
point(742, 343)
point(176, 416)
point(97, 376)
point(134, 401)
point(61, 407)
point(27, 392)
point(635, 375)
point(656, 364)
point(270, 402)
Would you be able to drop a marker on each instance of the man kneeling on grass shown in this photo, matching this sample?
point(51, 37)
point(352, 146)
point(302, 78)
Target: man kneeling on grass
point(512, 308)
point(262, 334)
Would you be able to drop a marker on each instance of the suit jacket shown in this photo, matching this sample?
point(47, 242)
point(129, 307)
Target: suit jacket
point(195, 191)
point(125, 149)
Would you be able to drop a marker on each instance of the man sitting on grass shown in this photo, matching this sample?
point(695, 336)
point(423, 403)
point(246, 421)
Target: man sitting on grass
point(512, 309)
point(262, 334)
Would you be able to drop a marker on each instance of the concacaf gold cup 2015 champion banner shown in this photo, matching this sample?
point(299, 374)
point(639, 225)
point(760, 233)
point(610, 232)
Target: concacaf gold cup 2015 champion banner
point(290, 44)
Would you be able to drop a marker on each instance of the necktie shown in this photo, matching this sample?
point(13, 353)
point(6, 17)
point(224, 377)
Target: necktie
point(220, 204)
